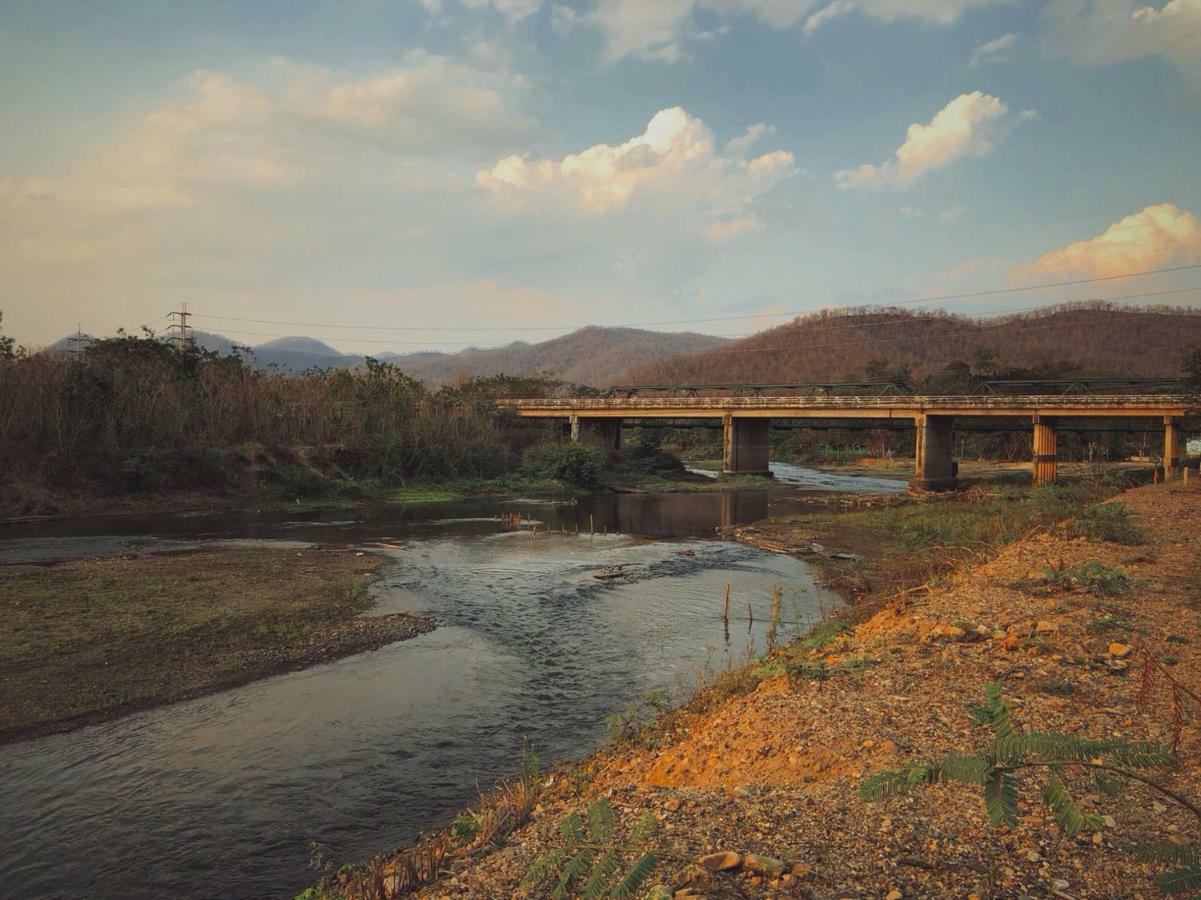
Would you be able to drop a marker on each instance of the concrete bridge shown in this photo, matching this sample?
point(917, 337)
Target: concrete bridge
point(745, 422)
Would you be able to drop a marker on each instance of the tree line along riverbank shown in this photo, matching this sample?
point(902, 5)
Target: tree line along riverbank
point(1085, 614)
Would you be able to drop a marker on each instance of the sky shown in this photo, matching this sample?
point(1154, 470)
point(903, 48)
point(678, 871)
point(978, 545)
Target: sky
point(429, 174)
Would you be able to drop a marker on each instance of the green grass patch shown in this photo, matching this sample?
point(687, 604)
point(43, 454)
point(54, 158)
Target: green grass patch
point(424, 494)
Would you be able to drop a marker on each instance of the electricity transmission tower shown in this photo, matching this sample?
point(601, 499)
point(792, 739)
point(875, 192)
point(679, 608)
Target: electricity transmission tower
point(179, 328)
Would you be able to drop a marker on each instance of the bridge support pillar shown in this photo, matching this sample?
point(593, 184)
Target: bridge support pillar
point(935, 469)
point(600, 430)
point(1046, 452)
point(1171, 448)
point(745, 446)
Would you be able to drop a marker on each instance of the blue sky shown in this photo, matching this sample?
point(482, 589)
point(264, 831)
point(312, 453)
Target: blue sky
point(516, 168)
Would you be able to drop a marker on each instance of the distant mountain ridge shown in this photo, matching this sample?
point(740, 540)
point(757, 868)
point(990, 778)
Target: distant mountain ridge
point(593, 355)
point(1088, 339)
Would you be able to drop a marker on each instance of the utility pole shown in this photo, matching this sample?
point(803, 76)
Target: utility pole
point(181, 328)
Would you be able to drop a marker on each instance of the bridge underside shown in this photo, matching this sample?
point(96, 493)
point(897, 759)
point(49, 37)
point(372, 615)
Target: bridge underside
point(746, 423)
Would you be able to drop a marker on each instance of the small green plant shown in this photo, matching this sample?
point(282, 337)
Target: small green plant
point(1105, 522)
point(1109, 763)
point(823, 633)
point(466, 826)
point(326, 887)
point(588, 861)
point(648, 704)
point(1090, 576)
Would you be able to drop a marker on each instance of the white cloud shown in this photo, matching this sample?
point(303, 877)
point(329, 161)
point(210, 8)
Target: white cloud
point(724, 230)
point(1157, 237)
point(427, 103)
point(994, 51)
point(934, 12)
point(672, 167)
point(757, 132)
point(663, 30)
point(968, 126)
point(512, 10)
point(1101, 32)
point(224, 135)
point(660, 29)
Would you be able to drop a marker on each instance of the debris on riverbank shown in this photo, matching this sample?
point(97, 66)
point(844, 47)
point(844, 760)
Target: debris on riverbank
point(768, 761)
point(84, 641)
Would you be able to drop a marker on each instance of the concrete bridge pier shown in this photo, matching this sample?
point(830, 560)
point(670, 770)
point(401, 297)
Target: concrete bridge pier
point(745, 446)
point(1171, 448)
point(935, 470)
point(603, 431)
point(1045, 453)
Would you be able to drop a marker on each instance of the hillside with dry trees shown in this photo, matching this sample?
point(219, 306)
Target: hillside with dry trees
point(1078, 341)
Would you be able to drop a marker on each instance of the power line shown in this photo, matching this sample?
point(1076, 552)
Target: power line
point(934, 299)
point(808, 348)
point(836, 326)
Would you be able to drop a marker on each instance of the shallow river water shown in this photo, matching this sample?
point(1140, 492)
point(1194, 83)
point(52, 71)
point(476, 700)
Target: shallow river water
point(221, 796)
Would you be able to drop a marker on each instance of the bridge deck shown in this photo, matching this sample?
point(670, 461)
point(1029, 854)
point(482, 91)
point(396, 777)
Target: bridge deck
point(858, 407)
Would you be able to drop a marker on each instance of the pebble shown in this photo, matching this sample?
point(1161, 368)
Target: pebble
point(767, 865)
point(894, 894)
point(721, 861)
point(1033, 855)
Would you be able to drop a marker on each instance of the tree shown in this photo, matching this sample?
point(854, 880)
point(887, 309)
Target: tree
point(1190, 365)
point(8, 347)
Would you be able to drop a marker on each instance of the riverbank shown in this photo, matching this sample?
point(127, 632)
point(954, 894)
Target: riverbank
point(83, 641)
point(50, 505)
point(1092, 629)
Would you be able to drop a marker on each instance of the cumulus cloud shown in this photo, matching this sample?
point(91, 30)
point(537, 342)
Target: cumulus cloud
point(934, 12)
point(1101, 32)
point(968, 126)
point(1154, 238)
point(673, 163)
point(994, 51)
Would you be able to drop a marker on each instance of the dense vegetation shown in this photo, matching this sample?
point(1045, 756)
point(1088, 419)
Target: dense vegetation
point(137, 414)
point(940, 352)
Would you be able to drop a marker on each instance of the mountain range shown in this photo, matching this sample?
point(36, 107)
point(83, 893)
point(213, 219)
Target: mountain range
point(592, 355)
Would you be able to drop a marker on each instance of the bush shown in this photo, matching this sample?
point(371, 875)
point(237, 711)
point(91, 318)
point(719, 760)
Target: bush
point(578, 465)
point(1105, 522)
point(644, 457)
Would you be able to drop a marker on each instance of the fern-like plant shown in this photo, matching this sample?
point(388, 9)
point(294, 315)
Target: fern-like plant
point(588, 861)
point(1109, 763)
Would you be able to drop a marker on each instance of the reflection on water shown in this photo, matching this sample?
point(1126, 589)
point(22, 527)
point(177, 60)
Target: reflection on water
point(220, 796)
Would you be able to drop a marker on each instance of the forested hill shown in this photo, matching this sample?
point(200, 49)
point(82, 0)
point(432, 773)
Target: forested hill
point(889, 343)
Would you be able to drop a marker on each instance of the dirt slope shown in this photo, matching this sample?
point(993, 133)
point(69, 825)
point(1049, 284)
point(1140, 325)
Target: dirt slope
point(775, 772)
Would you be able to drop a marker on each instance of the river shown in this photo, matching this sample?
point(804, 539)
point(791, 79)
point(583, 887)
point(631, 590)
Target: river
point(221, 796)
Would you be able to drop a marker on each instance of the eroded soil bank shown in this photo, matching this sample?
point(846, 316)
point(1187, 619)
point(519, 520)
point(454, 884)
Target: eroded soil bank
point(1087, 637)
point(83, 641)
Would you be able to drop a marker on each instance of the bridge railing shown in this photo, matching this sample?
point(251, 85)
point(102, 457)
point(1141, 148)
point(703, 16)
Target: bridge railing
point(1083, 386)
point(798, 389)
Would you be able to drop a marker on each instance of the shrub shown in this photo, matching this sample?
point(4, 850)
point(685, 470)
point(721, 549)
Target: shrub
point(1105, 522)
point(575, 464)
